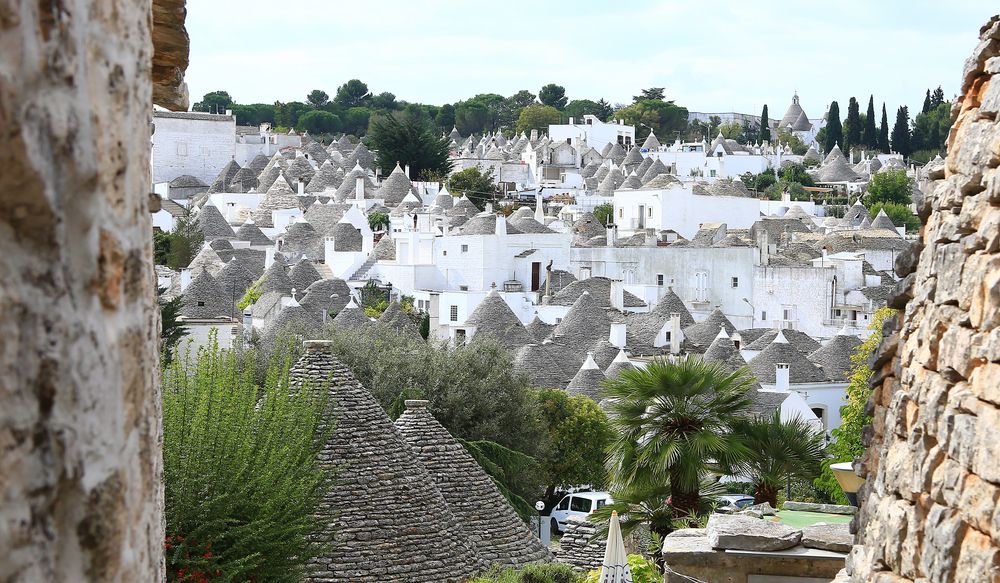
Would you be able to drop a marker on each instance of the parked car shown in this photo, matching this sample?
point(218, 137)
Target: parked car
point(576, 504)
point(733, 503)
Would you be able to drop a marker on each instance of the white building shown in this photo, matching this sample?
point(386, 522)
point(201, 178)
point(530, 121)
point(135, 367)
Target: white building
point(682, 208)
point(595, 132)
point(192, 143)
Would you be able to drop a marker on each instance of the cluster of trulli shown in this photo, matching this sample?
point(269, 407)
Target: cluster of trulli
point(408, 502)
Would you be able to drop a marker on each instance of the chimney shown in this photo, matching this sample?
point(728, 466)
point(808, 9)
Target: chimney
point(781, 376)
point(313, 346)
point(675, 333)
point(534, 135)
point(618, 295)
point(618, 335)
point(612, 234)
point(407, 170)
point(359, 188)
point(301, 187)
point(578, 151)
point(762, 249)
point(247, 323)
point(434, 314)
point(570, 121)
point(415, 404)
point(501, 226)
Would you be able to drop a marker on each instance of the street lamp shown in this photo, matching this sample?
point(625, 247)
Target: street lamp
point(539, 506)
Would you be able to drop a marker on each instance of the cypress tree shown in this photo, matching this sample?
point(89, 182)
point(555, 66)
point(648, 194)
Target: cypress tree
point(853, 137)
point(765, 129)
point(937, 98)
point(927, 102)
point(901, 132)
point(883, 133)
point(869, 134)
point(834, 129)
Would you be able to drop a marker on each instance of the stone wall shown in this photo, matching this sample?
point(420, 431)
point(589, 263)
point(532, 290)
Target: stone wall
point(80, 466)
point(929, 510)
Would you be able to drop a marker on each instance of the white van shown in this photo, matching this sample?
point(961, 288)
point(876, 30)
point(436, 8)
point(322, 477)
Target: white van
point(577, 504)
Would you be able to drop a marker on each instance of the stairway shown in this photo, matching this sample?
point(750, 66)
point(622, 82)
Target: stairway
point(362, 271)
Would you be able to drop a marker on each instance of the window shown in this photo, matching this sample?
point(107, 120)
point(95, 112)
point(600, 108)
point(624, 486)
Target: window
point(659, 279)
point(712, 173)
point(735, 282)
point(454, 313)
point(578, 504)
point(182, 149)
point(564, 504)
point(459, 336)
point(701, 286)
point(621, 212)
point(649, 212)
point(201, 304)
point(445, 252)
point(465, 248)
point(763, 315)
point(463, 288)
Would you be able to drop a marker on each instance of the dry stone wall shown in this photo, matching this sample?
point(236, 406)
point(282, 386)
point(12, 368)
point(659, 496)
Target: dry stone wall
point(80, 465)
point(929, 508)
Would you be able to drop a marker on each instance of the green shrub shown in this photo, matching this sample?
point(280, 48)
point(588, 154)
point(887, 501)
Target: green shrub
point(251, 296)
point(551, 573)
point(643, 571)
point(241, 478)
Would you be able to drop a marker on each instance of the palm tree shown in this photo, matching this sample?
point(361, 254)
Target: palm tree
point(778, 451)
point(674, 424)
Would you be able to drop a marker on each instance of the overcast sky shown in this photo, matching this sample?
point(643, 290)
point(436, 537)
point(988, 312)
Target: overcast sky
point(726, 55)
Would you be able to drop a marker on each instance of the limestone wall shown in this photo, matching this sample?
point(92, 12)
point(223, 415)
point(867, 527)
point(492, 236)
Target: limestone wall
point(930, 509)
point(80, 466)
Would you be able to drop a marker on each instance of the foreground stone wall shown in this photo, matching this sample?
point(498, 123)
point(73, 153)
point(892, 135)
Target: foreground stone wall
point(929, 509)
point(80, 465)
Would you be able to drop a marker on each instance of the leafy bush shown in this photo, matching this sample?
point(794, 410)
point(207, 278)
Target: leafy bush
point(551, 573)
point(604, 213)
point(889, 186)
point(250, 297)
point(241, 478)
point(579, 433)
point(846, 443)
point(643, 571)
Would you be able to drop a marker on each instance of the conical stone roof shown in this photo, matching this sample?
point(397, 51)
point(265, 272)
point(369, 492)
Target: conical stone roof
point(538, 329)
point(300, 170)
point(235, 278)
point(244, 180)
point(835, 357)
point(493, 318)
point(835, 168)
point(387, 520)
point(275, 279)
point(723, 350)
point(654, 170)
point(212, 224)
point(326, 179)
point(249, 231)
point(204, 298)
point(279, 197)
point(293, 321)
point(800, 368)
point(651, 143)
point(619, 364)
point(300, 239)
point(362, 156)
point(395, 187)
point(643, 328)
point(303, 274)
point(586, 322)
point(616, 154)
point(225, 177)
point(702, 334)
point(352, 317)
point(267, 177)
point(588, 380)
point(208, 260)
point(482, 512)
point(326, 296)
point(258, 164)
point(882, 221)
point(348, 187)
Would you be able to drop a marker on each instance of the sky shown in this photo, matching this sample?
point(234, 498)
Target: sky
point(726, 55)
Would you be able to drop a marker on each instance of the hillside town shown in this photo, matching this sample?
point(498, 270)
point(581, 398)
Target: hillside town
point(545, 337)
point(689, 260)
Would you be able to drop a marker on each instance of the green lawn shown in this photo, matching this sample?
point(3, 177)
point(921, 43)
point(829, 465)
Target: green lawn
point(798, 518)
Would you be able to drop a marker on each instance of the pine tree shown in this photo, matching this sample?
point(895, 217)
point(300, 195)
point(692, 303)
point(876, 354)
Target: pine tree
point(883, 133)
point(853, 125)
point(901, 132)
point(834, 129)
point(927, 102)
point(869, 134)
point(765, 129)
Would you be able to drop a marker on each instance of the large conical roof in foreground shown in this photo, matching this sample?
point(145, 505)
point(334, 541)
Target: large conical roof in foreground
point(386, 519)
point(483, 514)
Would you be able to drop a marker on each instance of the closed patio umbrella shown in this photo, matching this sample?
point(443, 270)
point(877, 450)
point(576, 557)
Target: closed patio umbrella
point(615, 567)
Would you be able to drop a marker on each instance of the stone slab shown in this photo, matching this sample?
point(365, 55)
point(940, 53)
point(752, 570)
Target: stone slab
point(750, 534)
point(828, 537)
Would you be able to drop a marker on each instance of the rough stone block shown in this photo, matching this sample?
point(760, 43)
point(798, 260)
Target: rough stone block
point(829, 537)
point(750, 534)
